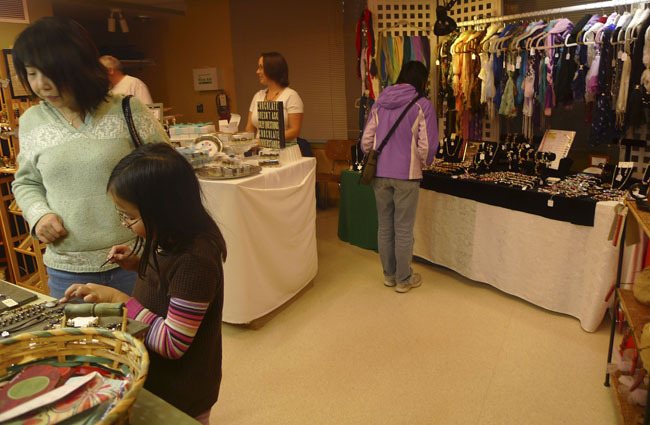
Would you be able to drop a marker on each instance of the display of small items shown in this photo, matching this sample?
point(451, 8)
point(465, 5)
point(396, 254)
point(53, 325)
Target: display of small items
point(269, 157)
point(232, 168)
point(196, 157)
point(451, 149)
point(584, 186)
point(42, 316)
point(510, 178)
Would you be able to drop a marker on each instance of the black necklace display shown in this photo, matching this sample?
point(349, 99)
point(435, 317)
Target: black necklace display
point(450, 149)
point(621, 177)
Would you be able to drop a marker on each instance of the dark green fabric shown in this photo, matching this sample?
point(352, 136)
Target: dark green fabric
point(357, 212)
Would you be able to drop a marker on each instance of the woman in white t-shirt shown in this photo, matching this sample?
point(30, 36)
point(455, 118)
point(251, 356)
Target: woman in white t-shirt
point(273, 72)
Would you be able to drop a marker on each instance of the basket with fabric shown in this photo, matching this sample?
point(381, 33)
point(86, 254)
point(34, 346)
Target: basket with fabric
point(116, 353)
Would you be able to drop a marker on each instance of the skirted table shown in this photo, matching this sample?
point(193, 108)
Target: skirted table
point(551, 262)
point(269, 224)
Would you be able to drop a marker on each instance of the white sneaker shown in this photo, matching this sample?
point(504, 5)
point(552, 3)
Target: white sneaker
point(412, 282)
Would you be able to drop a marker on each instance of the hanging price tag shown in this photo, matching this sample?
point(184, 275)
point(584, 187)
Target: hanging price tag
point(438, 62)
point(619, 177)
point(481, 156)
point(624, 57)
point(473, 56)
point(568, 56)
point(550, 203)
point(532, 51)
point(547, 60)
point(557, 55)
point(518, 63)
point(619, 54)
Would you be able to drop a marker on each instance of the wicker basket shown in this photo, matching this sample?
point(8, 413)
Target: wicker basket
point(116, 350)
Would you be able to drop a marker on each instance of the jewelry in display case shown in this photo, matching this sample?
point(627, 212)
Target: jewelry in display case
point(622, 174)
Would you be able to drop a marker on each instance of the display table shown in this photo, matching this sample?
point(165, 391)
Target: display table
point(555, 264)
point(269, 224)
point(147, 408)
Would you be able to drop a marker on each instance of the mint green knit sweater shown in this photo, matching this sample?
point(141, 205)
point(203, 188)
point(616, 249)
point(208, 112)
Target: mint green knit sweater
point(64, 170)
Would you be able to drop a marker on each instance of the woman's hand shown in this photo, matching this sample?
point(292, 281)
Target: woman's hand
point(123, 257)
point(94, 293)
point(50, 228)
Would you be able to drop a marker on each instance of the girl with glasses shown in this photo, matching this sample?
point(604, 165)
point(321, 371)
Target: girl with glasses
point(179, 256)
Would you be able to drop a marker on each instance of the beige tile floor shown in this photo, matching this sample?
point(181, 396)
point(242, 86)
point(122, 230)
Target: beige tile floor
point(351, 351)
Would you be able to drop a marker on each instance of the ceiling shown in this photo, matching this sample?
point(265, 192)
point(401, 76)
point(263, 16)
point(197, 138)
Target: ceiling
point(96, 9)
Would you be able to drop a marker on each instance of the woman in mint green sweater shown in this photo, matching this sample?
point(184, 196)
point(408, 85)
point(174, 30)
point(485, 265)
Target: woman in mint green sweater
point(69, 143)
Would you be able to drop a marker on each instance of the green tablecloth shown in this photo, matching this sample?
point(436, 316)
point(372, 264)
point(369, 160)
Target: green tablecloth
point(357, 212)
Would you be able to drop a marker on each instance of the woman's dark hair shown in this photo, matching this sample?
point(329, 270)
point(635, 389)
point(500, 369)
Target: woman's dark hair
point(415, 74)
point(276, 68)
point(63, 51)
point(162, 184)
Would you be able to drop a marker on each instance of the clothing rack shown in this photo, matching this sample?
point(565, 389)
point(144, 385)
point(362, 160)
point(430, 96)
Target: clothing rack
point(556, 11)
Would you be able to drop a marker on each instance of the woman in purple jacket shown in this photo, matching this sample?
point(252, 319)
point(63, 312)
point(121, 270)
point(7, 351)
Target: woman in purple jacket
point(399, 169)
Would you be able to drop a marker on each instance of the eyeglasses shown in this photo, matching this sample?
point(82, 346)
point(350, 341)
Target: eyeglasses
point(126, 221)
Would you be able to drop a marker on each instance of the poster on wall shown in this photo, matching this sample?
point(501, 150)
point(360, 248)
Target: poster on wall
point(205, 79)
point(271, 124)
point(18, 91)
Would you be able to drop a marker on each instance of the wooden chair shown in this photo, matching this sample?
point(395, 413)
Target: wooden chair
point(339, 154)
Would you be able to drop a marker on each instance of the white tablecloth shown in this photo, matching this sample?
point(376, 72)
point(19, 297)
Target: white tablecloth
point(269, 223)
point(557, 265)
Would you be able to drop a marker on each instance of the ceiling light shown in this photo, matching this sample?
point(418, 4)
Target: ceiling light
point(123, 25)
point(111, 21)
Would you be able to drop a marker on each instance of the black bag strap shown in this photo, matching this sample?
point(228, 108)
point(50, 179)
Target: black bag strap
point(392, 130)
point(126, 108)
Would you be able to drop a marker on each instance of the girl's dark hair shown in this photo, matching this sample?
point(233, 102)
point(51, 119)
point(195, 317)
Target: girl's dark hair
point(414, 73)
point(162, 184)
point(276, 68)
point(63, 51)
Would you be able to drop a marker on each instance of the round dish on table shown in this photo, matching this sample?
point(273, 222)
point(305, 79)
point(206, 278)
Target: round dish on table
point(210, 143)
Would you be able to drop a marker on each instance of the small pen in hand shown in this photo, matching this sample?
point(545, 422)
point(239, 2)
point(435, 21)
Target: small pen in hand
point(106, 262)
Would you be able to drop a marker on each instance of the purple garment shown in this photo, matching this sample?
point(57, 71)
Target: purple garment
point(415, 140)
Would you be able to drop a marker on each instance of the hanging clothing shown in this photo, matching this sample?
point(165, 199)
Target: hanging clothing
point(603, 125)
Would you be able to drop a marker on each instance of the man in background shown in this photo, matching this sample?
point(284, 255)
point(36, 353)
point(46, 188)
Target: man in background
point(122, 83)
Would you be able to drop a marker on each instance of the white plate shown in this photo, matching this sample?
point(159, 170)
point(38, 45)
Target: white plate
point(211, 144)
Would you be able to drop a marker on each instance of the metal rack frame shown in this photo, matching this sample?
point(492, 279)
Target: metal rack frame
point(556, 11)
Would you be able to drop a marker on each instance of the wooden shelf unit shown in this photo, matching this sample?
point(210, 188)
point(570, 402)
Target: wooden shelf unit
point(636, 315)
point(22, 254)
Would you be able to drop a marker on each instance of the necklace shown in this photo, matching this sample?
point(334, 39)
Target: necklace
point(274, 96)
point(622, 176)
point(69, 120)
point(456, 149)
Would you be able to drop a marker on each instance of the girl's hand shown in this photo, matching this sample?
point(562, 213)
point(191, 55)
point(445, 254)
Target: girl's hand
point(94, 293)
point(121, 255)
point(50, 228)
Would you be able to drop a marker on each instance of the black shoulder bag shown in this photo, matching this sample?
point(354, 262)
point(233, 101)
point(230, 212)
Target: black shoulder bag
point(126, 108)
point(369, 169)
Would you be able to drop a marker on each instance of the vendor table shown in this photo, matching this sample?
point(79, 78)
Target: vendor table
point(269, 223)
point(552, 263)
